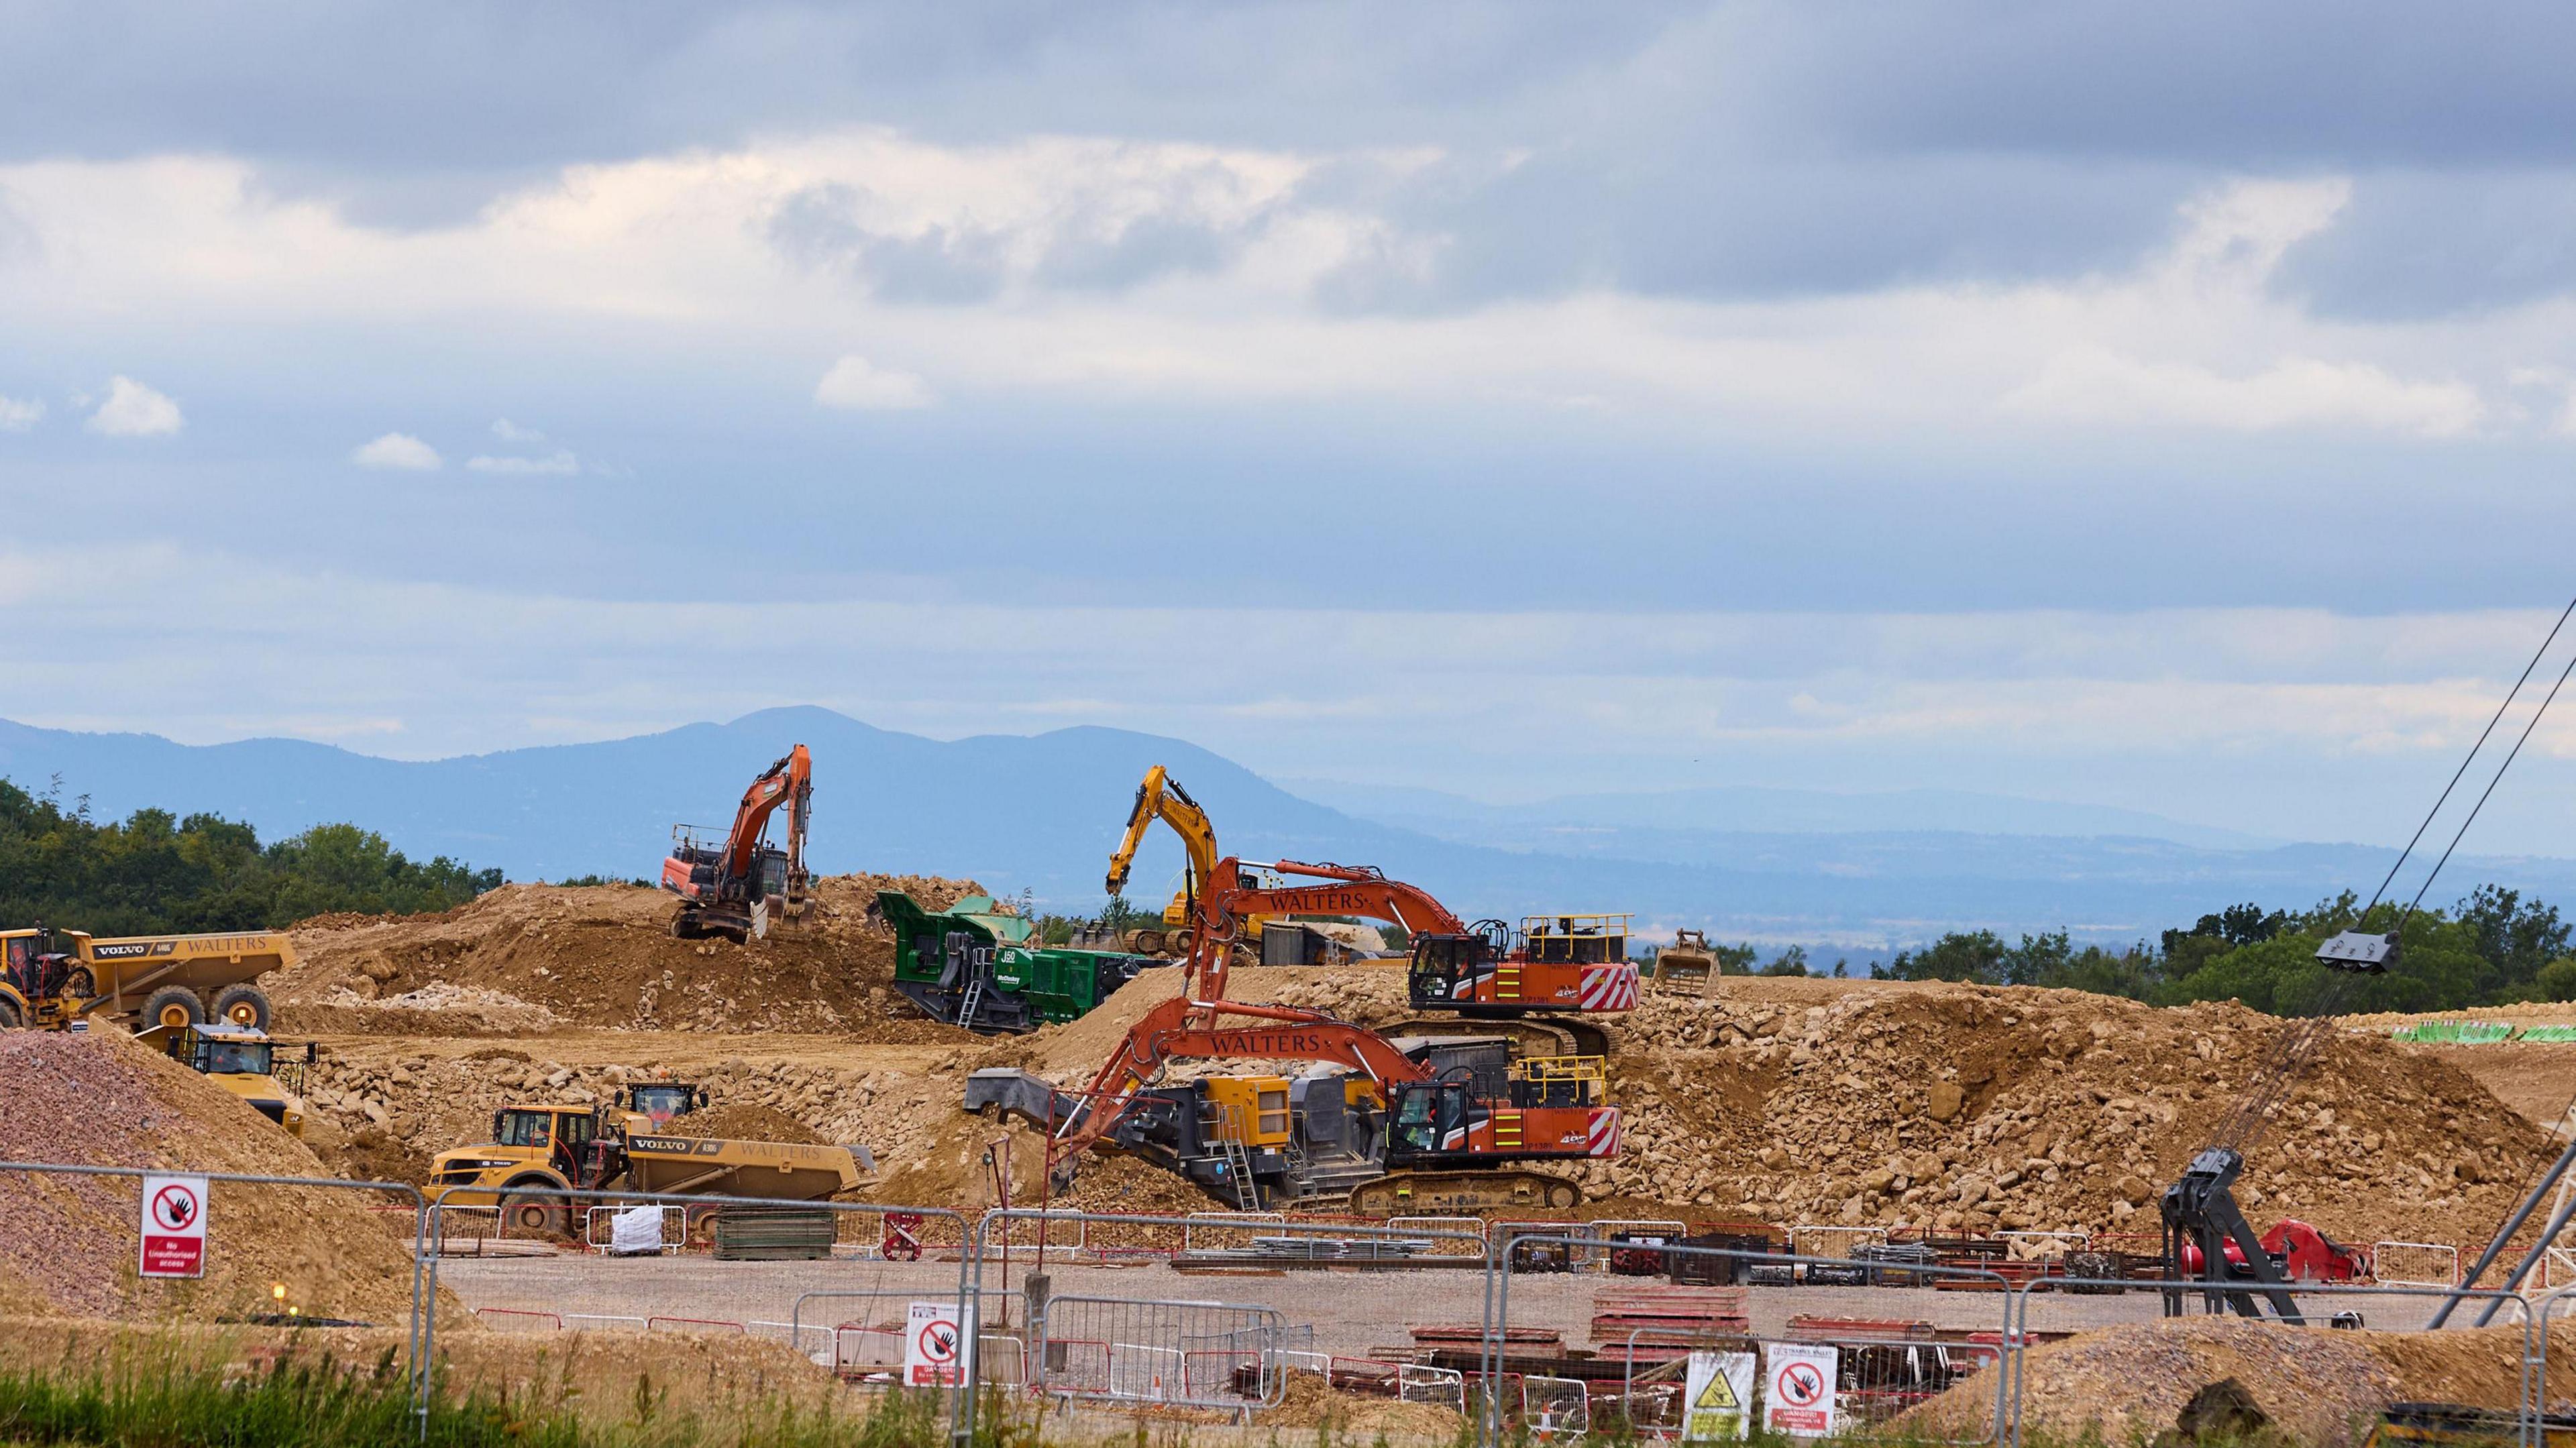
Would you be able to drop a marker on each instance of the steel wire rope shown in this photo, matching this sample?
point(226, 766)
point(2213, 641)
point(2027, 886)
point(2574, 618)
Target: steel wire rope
point(2282, 1066)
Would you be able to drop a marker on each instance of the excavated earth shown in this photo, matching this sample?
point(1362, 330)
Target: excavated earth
point(1795, 1101)
point(103, 1099)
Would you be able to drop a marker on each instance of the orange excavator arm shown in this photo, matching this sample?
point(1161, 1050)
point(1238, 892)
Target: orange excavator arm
point(790, 782)
point(1185, 1030)
point(1340, 890)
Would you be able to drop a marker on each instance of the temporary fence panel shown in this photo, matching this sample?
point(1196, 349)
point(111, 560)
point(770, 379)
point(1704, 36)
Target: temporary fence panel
point(595, 1321)
point(1451, 1236)
point(1916, 1342)
point(1152, 1347)
point(1001, 1361)
point(1054, 1229)
point(1438, 1387)
point(514, 1319)
point(2414, 1264)
point(1229, 1231)
point(1554, 1407)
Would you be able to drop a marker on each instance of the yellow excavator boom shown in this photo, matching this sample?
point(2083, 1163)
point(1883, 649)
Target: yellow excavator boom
point(1161, 797)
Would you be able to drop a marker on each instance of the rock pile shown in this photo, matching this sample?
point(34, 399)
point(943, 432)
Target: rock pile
point(1965, 1107)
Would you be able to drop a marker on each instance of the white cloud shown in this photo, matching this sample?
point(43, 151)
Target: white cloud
point(2096, 386)
point(508, 431)
point(399, 451)
point(560, 462)
point(134, 410)
point(17, 416)
point(858, 385)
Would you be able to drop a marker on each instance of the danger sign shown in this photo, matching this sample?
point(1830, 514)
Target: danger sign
point(1719, 1386)
point(174, 1226)
point(938, 1346)
point(1800, 1393)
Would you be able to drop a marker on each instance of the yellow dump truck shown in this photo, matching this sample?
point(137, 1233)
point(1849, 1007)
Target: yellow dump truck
point(615, 1148)
point(53, 978)
point(267, 1074)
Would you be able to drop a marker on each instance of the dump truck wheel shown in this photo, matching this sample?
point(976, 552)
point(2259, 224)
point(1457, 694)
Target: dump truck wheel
point(243, 1005)
point(527, 1216)
point(10, 1016)
point(174, 1008)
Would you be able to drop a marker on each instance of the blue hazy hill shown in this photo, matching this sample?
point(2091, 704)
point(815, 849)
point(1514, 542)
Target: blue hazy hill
point(1040, 813)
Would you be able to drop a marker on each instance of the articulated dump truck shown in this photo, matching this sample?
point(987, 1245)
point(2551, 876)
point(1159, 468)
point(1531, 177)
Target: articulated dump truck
point(52, 979)
point(621, 1147)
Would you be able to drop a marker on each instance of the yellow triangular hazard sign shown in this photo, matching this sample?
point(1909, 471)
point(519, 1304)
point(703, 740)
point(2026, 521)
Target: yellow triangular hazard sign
point(1718, 1394)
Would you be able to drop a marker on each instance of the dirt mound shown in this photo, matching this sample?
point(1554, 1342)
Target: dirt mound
point(101, 1099)
point(1971, 1107)
point(745, 1121)
point(533, 958)
point(2180, 1380)
point(1307, 1401)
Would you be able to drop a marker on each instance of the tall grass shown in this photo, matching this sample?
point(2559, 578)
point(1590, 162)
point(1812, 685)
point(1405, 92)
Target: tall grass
point(314, 1402)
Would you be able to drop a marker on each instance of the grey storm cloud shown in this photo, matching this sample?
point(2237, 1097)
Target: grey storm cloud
point(2422, 244)
point(1720, 150)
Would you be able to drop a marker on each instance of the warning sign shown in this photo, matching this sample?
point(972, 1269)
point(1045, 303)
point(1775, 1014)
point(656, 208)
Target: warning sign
point(1713, 1404)
point(938, 1347)
point(174, 1226)
point(1799, 1395)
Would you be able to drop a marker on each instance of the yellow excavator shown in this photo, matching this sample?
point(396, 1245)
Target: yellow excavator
point(1160, 797)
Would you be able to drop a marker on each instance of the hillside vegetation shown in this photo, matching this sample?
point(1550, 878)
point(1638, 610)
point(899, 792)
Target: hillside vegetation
point(153, 872)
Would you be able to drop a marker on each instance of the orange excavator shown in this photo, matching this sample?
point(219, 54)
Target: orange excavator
point(739, 884)
point(1395, 1130)
point(1553, 966)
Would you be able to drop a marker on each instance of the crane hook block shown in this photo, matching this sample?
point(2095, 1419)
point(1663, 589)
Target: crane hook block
point(2359, 951)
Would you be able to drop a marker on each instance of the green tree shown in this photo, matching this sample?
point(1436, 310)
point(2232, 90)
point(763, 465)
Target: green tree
point(151, 872)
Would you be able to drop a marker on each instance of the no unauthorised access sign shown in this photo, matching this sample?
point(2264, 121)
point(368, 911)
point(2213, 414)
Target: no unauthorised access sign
point(938, 1345)
point(1799, 1394)
point(174, 1226)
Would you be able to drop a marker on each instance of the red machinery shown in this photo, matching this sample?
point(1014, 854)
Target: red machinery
point(737, 887)
point(1558, 963)
point(2300, 1252)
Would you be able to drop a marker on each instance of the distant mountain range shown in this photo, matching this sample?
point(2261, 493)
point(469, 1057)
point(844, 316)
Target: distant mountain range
point(1857, 875)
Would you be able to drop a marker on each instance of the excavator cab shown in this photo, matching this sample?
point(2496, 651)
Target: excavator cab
point(1434, 1120)
point(1446, 967)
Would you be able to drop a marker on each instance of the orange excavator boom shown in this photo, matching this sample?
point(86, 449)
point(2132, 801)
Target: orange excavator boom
point(718, 884)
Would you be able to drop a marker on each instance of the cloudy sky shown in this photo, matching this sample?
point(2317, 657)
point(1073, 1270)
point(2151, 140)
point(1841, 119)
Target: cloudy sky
point(2171, 407)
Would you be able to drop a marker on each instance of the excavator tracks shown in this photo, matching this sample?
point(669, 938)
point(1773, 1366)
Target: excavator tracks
point(1440, 1193)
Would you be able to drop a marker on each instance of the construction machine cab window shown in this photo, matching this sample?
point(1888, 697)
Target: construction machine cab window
point(225, 1058)
point(527, 1128)
point(661, 1103)
point(1576, 939)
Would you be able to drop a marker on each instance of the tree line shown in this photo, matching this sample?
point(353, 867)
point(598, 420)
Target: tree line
point(2491, 948)
point(153, 872)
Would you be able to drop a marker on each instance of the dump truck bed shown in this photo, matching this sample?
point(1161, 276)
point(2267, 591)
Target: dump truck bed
point(130, 968)
point(711, 1166)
